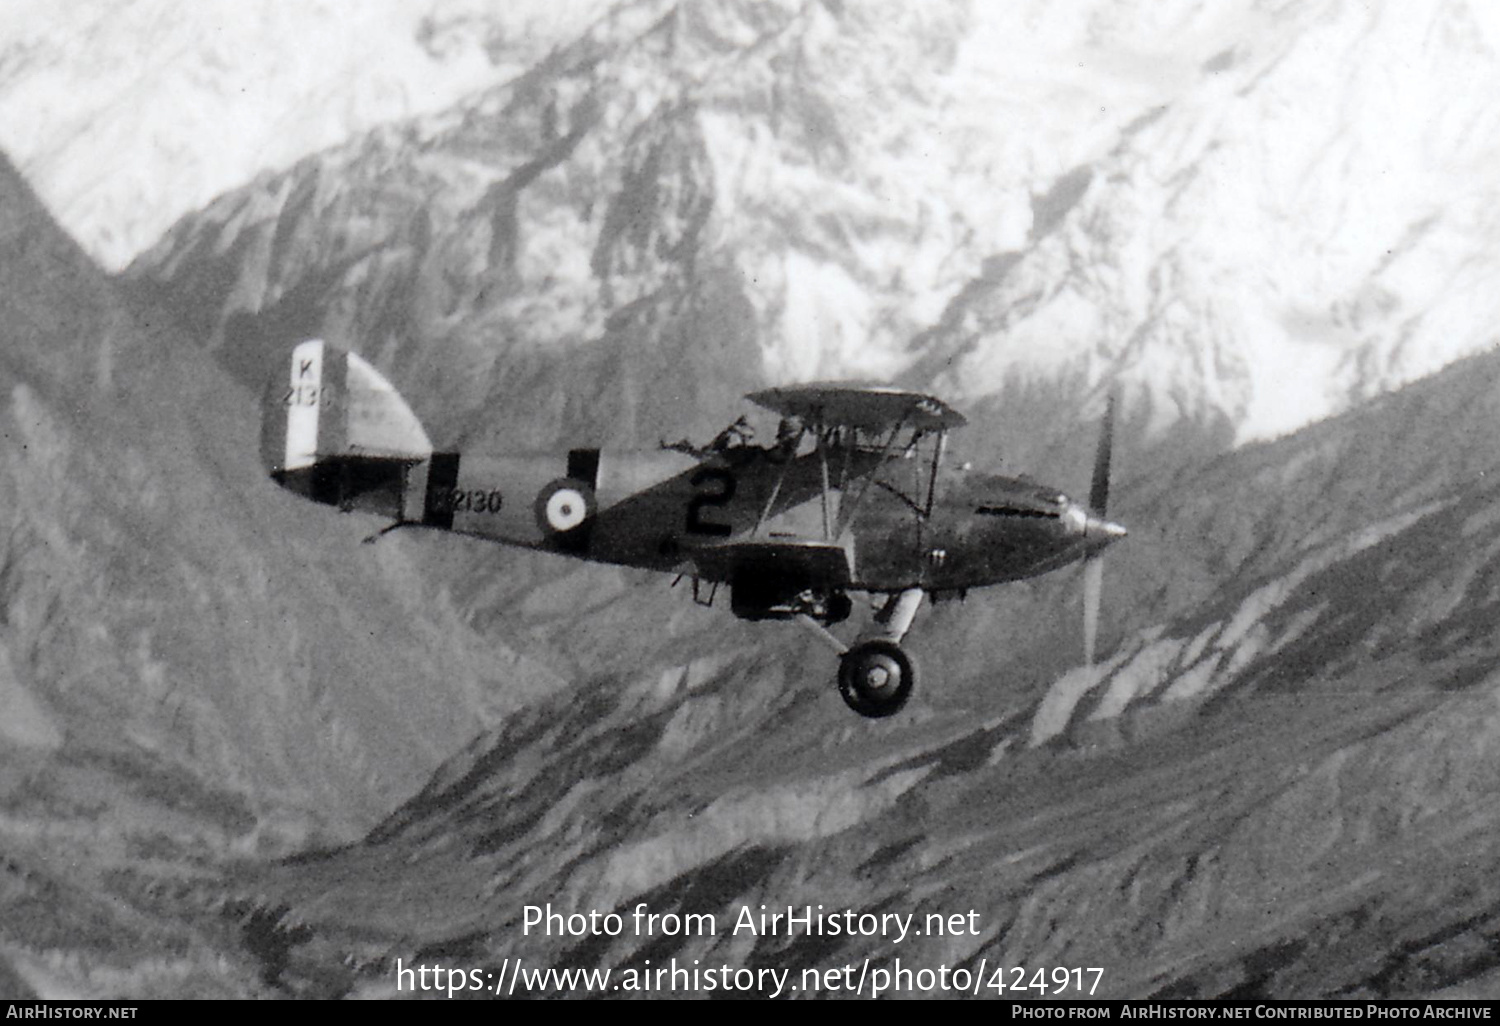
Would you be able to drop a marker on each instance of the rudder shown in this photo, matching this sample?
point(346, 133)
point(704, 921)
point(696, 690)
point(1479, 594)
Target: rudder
point(335, 431)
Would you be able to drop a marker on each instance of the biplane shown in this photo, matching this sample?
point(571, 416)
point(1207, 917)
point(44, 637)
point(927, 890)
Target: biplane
point(851, 496)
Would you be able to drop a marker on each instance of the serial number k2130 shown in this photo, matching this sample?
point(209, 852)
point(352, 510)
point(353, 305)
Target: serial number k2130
point(468, 500)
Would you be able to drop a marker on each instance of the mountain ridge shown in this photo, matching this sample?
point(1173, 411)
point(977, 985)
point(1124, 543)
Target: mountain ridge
point(1137, 253)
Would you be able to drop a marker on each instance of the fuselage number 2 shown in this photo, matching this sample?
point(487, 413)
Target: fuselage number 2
point(716, 488)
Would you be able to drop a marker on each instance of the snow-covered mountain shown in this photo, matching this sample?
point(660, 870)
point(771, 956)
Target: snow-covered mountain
point(1247, 215)
point(1304, 221)
point(128, 115)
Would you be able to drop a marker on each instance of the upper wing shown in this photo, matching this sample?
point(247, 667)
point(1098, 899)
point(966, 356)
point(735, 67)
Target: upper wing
point(866, 407)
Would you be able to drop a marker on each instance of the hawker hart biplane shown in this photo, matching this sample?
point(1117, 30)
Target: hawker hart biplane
point(853, 495)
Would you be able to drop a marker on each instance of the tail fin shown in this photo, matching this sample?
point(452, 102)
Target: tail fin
point(336, 432)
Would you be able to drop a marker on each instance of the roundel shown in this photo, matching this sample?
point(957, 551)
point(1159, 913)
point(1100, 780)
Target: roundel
point(563, 506)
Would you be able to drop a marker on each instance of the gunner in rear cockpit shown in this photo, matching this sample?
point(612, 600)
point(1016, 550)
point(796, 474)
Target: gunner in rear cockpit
point(735, 436)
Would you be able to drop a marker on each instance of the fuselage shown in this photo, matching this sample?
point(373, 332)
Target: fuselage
point(337, 432)
point(649, 508)
point(853, 496)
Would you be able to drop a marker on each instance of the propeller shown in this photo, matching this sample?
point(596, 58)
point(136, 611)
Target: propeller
point(1099, 490)
point(1093, 591)
point(1093, 563)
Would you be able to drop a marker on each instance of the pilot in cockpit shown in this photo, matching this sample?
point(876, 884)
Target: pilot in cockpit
point(788, 436)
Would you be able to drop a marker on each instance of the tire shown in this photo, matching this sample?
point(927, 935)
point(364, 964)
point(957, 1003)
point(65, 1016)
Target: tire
point(876, 678)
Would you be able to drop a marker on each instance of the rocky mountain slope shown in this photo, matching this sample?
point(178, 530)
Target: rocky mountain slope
point(1281, 787)
point(186, 672)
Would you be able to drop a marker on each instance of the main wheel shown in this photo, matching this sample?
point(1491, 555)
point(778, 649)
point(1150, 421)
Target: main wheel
point(876, 678)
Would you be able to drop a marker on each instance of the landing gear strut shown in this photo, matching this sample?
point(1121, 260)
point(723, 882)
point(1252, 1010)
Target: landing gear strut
point(876, 676)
